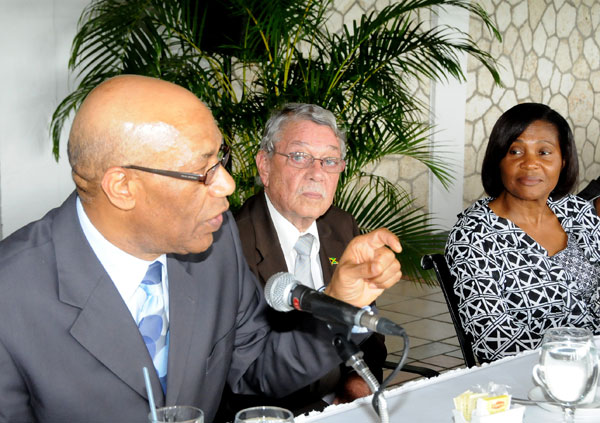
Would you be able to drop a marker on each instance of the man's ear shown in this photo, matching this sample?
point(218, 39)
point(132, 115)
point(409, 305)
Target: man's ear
point(263, 163)
point(119, 188)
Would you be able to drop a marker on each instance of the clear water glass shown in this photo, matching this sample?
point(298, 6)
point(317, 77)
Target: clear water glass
point(264, 414)
point(177, 414)
point(568, 367)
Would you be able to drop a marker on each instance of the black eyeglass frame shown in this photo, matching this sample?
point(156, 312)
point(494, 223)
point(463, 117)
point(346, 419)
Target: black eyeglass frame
point(225, 150)
point(313, 158)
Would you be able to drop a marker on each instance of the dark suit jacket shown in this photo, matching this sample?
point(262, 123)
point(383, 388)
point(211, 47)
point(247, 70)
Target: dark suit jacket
point(71, 352)
point(265, 258)
point(261, 246)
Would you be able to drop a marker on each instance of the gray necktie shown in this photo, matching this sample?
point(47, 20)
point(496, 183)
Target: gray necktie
point(302, 268)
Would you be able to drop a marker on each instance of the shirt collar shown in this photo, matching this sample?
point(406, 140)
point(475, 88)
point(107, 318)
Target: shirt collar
point(287, 233)
point(125, 270)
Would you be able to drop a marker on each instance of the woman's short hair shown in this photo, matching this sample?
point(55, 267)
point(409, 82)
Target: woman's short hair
point(508, 128)
point(299, 111)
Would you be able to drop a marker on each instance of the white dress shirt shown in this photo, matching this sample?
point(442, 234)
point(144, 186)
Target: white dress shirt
point(125, 270)
point(288, 234)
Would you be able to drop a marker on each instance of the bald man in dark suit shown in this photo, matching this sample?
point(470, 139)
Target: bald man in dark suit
point(148, 160)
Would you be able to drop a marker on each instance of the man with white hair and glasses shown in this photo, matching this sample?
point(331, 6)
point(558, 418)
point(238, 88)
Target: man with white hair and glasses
point(293, 227)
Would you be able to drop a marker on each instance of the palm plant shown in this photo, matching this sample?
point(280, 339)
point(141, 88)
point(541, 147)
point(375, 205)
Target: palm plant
point(285, 53)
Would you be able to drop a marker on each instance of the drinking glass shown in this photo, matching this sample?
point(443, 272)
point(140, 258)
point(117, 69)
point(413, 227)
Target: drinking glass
point(264, 415)
point(177, 414)
point(568, 367)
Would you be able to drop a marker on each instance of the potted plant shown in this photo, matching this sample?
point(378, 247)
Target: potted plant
point(245, 58)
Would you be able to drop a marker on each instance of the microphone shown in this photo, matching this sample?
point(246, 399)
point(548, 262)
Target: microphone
point(284, 293)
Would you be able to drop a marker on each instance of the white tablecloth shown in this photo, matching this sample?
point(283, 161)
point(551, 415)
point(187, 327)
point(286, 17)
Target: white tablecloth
point(430, 400)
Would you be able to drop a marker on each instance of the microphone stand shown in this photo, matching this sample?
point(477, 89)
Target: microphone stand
point(352, 356)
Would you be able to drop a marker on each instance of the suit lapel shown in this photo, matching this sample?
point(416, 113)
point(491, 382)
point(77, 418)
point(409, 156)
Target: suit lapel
point(331, 248)
point(104, 327)
point(183, 296)
point(107, 330)
point(271, 257)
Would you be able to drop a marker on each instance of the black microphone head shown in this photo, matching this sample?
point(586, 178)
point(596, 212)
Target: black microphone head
point(278, 291)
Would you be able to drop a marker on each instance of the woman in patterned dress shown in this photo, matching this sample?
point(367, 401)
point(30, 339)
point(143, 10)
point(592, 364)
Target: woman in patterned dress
point(527, 258)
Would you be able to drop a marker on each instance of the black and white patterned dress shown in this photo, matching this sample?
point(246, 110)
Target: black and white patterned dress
point(510, 290)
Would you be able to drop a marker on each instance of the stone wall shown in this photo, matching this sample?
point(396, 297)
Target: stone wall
point(406, 172)
point(550, 54)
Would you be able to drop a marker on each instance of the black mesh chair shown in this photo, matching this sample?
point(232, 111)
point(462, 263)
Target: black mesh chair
point(423, 371)
point(438, 263)
point(591, 191)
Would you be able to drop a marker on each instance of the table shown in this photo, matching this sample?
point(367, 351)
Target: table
point(430, 400)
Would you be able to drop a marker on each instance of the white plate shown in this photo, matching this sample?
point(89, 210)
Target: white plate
point(584, 410)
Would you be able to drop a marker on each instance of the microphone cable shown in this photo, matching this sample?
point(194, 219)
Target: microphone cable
point(379, 403)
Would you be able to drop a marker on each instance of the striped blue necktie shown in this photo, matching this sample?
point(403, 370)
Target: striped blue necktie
point(152, 321)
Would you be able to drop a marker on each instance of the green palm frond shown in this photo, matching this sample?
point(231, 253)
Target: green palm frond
point(283, 52)
point(386, 131)
point(375, 202)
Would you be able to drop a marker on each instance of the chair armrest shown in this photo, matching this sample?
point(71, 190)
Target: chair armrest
point(423, 371)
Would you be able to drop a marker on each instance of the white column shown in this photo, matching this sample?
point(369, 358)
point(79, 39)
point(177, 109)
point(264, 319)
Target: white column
point(35, 40)
point(448, 115)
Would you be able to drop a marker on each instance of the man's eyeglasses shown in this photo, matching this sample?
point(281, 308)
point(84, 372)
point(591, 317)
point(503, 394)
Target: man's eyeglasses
point(206, 179)
point(305, 160)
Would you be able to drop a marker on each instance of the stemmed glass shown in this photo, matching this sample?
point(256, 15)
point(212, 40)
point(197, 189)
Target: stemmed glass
point(568, 367)
point(264, 415)
point(176, 414)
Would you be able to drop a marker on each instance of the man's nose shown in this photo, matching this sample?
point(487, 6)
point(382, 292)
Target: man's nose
point(223, 184)
point(316, 168)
